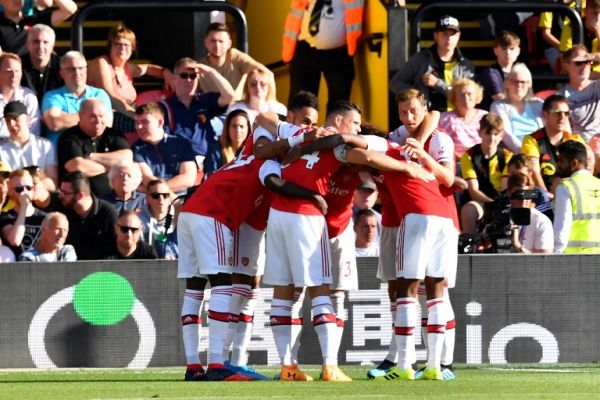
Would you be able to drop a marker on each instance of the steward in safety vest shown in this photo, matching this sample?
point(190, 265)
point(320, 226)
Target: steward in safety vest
point(353, 22)
point(576, 203)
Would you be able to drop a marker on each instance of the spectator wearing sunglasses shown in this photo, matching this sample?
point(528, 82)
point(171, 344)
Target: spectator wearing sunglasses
point(157, 215)
point(230, 62)
point(51, 247)
point(190, 114)
point(540, 147)
point(128, 244)
point(91, 220)
point(22, 148)
point(43, 199)
point(21, 225)
point(582, 92)
point(124, 178)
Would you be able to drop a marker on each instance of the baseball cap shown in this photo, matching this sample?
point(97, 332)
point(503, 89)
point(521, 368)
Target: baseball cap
point(367, 185)
point(14, 108)
point(447, 22)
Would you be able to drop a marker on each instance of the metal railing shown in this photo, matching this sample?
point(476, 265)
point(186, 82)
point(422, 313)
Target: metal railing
point(448, 7)
point(197, 5)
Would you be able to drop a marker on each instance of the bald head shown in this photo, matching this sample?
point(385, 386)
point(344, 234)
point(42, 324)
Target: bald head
point(92, 117)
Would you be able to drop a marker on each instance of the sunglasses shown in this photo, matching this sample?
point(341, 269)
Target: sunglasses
point(559, 113)
point(21, 188)
point(580, 63)
point(125, 229)
point(157, 195)
point(186, 75)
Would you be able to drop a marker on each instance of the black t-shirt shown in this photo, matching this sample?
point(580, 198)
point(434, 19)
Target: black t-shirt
point(143, 251)
point(32, 229)
point(89, 236)
point(74, 143)
point(41, 82)
point(13, 36)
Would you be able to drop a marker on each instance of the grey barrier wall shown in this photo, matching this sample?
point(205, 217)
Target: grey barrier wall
point(105, 314)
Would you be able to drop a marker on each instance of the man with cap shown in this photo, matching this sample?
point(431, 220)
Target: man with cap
point(432, 70)
point(365, 196)
point(23, 149)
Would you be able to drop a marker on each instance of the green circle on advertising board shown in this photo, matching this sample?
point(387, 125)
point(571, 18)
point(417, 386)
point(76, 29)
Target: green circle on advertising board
point(103, 298)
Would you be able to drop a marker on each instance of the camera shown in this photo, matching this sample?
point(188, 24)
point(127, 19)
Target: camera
point(495, 229)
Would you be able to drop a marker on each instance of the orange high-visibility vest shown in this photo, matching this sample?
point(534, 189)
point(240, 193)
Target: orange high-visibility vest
point(353, 17)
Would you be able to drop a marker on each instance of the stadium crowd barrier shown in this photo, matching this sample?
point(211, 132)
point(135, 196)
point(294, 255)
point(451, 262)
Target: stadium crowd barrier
point(509, 309)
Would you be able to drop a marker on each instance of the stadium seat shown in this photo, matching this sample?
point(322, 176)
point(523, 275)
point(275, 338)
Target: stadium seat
point(544, 94)
point(150, 96)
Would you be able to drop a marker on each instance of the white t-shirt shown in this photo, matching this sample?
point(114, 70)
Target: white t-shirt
point(538, 234)
point(371, 251)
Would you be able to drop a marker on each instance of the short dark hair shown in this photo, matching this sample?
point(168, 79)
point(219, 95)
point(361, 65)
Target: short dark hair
point(154, 182)
point(367, 128)
point(491, 121)
point(303, 99)
point(341, 107)
point(127, 213)
point(217, 27)
point(150, 108)
point(366, 212)
point(553, 99)
point(78, 181)
point(506, 39)
point(518, 161)
point(573, 150)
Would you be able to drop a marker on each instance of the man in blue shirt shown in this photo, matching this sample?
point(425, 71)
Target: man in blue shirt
point(161, 155)
point(60, 107)
point(190, 114)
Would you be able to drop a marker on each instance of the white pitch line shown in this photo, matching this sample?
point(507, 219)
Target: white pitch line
point(534, 370)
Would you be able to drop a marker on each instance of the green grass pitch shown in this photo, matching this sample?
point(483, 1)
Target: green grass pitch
point(572, 381)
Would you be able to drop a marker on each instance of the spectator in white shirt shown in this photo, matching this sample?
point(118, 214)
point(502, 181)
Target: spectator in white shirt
point(537, 236)
point(22, 148)
point(11, 90)
point(365, 228)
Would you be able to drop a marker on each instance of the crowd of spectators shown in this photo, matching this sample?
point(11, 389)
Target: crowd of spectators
point(80, 159)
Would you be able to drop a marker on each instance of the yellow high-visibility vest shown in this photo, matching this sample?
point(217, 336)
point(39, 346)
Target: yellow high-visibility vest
point(584, 190)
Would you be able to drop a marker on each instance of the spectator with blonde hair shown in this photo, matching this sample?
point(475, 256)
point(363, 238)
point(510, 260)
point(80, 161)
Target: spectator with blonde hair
point(520, 110)
point(51, 246)
point(124, 178)
point(259, 96)
point(462, 124)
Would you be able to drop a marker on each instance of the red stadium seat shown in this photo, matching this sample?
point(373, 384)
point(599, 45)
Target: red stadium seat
point(544, 94)
point(150, 96)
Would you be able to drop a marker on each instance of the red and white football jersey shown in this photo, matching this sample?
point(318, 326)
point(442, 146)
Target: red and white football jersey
point(412, 195)
point(340, 194)
point(313, 172)
point(233, 192)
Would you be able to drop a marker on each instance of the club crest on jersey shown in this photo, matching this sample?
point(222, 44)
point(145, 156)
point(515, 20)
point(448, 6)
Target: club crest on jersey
point(245, 261)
